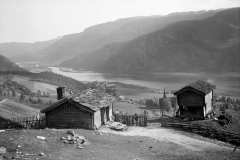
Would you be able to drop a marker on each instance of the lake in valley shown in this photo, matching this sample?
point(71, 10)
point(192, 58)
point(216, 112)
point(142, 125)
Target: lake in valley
point(228, 85)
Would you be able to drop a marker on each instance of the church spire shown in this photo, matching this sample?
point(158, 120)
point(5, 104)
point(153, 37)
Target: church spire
point(164, 94)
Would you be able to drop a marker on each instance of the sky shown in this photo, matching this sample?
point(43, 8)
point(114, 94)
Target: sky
point(40, 20)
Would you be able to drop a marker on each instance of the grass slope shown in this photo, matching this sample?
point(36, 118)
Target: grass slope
point(103, 146)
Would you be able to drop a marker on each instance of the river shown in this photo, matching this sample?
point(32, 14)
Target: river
point(225, 84)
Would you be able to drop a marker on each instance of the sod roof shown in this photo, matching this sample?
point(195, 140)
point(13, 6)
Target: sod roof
point(199, 86)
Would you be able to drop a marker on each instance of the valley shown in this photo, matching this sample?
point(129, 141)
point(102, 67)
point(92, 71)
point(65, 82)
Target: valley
point(138, 75)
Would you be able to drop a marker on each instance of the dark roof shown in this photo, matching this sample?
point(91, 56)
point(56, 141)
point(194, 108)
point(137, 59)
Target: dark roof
point(199, 86)
point(91, 99)
point(11, 109)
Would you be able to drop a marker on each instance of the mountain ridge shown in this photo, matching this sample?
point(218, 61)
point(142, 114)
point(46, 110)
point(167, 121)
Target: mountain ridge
point(7, 65)
point(207, 45)
point(126, 29)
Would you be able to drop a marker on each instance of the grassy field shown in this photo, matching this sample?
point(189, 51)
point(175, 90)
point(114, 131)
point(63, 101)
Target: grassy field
point(138, 93)
point(24, 144)
point(35, 86)
point(38, 106)
point(128, 108)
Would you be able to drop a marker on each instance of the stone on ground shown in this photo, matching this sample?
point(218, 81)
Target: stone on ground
point(2, 150)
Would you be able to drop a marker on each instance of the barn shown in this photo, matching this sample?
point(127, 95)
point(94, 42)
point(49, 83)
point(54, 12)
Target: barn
point(195, 99)
point(88, 109)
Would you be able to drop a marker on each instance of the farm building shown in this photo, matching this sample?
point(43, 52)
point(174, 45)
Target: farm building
point(87, 109)
point(11, 111)
point(195, 99)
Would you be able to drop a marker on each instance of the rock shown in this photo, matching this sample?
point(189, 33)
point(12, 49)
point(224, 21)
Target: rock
point(86, 142)
point(66, 141)
point(16, 157)
point(71, 132)
point(74, 138)
point(41, 154)
point(81, 137)
point(41, 137)
point(63, 138)
point(3, 150)
point(79, 146)
point(69, 137)
point(80, 141)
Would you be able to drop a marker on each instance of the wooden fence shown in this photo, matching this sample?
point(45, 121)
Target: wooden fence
point(203, 130)
point(131, 120)
point(23, 123)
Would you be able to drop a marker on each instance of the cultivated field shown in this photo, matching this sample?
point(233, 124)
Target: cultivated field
point(35, 86)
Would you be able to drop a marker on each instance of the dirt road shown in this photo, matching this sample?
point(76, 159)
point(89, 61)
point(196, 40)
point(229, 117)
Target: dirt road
point(169, 135)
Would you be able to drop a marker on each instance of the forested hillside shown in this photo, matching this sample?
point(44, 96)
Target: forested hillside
point(208, 45)
point(7, 65)
point(120, 30)
point(21, 52)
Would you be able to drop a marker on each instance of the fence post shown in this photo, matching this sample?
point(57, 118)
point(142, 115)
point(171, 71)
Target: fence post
point(145, 118)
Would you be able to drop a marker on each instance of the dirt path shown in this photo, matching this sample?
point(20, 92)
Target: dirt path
point(169, 135)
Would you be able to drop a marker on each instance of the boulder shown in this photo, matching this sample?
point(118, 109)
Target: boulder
point(71, 132)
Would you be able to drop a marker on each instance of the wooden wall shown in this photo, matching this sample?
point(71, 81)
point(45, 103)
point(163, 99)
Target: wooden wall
point(111, 111)
point(208, 101)
point(97, 119)
point(70, 117)
point(103, 115)
point(190, 98)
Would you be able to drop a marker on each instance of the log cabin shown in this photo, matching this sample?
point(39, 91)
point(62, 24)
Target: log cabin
point(88, 109)
point(195, 99)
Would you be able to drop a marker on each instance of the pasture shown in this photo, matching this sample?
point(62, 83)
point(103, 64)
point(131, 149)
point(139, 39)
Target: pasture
point(128, 108)
point(35, 86)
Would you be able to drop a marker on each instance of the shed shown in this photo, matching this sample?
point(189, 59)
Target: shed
point(88, 109)
point(195, 99)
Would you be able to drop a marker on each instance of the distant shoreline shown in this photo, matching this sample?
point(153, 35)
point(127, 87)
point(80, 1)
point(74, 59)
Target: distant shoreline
point(226, 74)
point(63, 69)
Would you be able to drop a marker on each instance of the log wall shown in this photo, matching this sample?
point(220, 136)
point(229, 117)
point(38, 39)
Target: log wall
point(68, 115)
point(190, 98)
point(208, 101)
point(97, 119)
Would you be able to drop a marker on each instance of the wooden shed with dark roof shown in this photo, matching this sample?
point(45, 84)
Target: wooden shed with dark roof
point(88, 109)
point(195, 99)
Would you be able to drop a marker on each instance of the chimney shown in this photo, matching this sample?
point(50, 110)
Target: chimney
point(60, 92)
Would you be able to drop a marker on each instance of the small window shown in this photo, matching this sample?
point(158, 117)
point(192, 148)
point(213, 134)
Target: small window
point(66, 108)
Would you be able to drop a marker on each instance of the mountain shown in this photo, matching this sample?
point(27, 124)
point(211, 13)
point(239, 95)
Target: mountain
point(23, 51)
point(208, 45)
point(120, 30)
point(7, 65)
